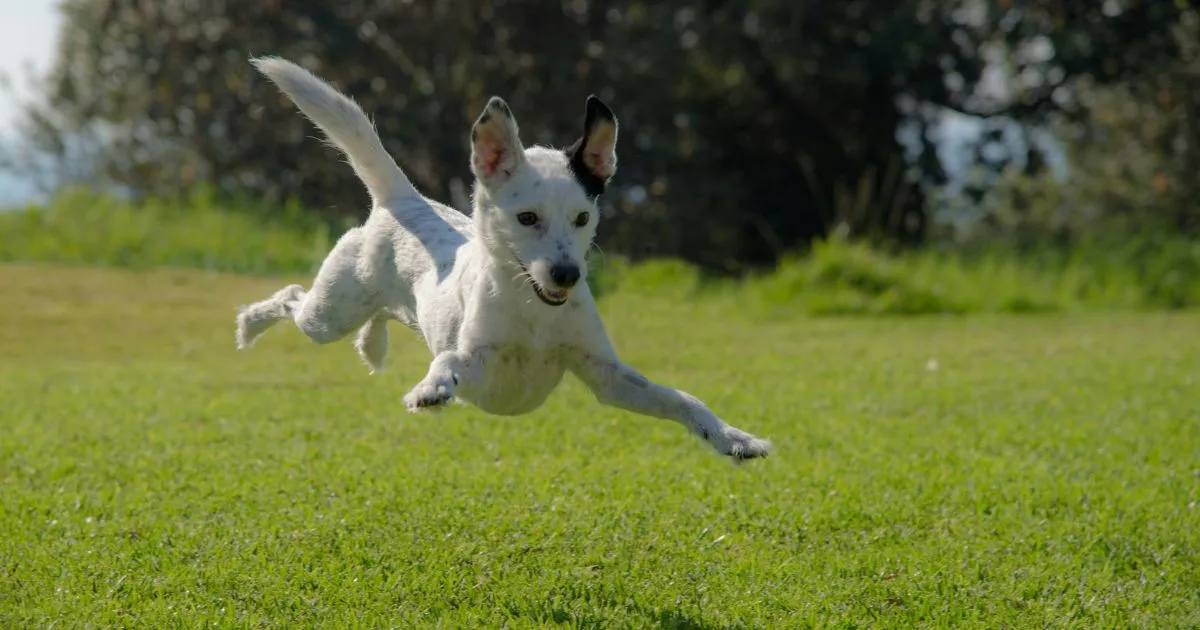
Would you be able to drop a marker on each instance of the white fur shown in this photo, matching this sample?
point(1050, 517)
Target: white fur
point(501, 336)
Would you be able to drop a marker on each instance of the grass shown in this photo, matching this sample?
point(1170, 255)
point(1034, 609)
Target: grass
point(200, 232)
point(844, 278)
point(1147, 272)
point(976, 471)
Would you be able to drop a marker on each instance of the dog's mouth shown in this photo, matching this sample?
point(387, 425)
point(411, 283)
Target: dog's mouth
point(547, 296)
point(553, 298)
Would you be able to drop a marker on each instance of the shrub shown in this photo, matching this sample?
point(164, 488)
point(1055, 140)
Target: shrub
point(836, 277)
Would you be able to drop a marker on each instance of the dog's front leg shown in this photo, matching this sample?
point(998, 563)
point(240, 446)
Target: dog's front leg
point(448, 371)
point(619, 385)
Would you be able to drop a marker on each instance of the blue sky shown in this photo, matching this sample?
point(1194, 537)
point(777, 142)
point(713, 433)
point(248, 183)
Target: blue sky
point(27, 32)
point(28, 29)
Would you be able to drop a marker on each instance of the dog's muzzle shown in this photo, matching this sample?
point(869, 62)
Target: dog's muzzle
point(548, 296)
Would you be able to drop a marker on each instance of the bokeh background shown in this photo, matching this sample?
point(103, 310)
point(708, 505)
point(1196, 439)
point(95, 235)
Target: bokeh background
point(798, 179)
point(1061, 133)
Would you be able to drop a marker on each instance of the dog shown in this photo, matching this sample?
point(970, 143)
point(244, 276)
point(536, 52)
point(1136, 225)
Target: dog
point(501, 297)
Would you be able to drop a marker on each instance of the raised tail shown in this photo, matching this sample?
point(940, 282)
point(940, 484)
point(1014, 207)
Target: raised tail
point(344, 123)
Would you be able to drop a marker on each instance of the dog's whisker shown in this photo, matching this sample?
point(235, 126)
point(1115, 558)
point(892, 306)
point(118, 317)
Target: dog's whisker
point(596, 246)
point(526, 279)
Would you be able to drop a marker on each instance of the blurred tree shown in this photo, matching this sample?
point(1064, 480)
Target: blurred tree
point(1117, 85)
point(749, 127)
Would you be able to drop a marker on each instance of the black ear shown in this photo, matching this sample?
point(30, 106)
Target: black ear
point(593, 157)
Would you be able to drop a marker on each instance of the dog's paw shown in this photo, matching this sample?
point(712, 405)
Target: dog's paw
point(429, 395)
point(739, 445)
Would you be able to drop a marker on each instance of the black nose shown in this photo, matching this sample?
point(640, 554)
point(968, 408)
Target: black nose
point(564, 275)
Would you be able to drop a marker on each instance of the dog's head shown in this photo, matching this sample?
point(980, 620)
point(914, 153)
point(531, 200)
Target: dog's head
point(536, 208)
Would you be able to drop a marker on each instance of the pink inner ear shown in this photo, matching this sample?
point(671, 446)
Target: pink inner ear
point(598, 162)
point(488, 156)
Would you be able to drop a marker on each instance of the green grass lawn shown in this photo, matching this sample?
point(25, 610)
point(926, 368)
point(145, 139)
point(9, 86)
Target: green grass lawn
point(990, 471)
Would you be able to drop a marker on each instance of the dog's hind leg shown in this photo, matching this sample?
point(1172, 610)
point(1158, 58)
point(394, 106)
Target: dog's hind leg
point(372, 342)
point(255, 319)
point(341, 299)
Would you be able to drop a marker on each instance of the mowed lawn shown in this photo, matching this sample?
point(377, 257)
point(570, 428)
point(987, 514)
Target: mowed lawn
point(942, 472)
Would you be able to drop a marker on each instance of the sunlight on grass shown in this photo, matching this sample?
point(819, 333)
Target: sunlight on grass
point(950, 472)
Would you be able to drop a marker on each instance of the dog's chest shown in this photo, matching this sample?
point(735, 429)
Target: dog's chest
point(519, 378)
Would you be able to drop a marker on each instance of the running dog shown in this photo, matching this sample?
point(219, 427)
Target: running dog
point(500, 297)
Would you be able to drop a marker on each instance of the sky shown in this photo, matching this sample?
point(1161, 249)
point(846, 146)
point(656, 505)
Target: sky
point(27, 32)
point(28, 29)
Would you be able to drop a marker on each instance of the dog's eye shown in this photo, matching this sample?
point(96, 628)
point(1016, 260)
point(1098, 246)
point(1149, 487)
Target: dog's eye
point(582, 219)
point(527, 218)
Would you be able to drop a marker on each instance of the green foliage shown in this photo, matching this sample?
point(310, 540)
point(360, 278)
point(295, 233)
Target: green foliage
point(1128, 273)
point(842, 278)
point(200, 232)
point(666, 277)
point(845, 278)
point(1131, 173)
point(968, 472)
point(748, 128)
point(835, 278)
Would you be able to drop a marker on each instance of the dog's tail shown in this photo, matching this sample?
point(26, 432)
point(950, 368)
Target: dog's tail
point(344, 123)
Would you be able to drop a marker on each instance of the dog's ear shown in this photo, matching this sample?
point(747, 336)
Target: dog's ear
point(593, 157)
point(496, 149)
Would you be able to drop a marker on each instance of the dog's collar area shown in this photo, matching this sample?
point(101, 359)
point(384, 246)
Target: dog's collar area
point(550, 300)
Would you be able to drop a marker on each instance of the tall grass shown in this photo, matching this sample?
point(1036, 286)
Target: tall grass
point(82, 228)
point(835, 278)
point(843, 278)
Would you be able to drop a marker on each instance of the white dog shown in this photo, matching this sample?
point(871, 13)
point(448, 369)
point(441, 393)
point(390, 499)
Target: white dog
point(500, 298)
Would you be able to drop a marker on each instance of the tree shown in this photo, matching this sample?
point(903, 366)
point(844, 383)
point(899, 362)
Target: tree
point(748, 127)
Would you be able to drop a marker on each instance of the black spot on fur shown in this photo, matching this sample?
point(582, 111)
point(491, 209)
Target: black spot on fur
point(593, 186)
point(498, 104)
point(493, 105)
point(596, 111)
